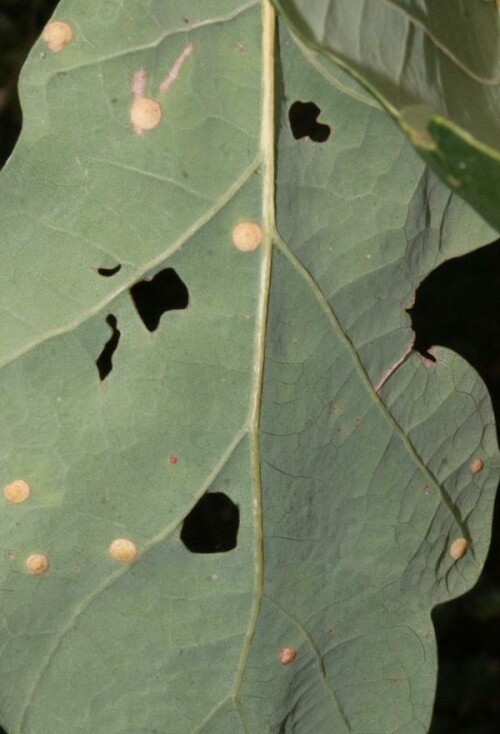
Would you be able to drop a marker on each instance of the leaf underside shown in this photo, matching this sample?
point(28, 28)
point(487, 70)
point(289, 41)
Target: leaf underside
point(283, 380)
point(434, 65)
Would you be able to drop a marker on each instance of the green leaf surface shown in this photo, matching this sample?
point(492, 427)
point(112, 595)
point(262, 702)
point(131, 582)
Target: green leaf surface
point(287, 383)
point(435, 66)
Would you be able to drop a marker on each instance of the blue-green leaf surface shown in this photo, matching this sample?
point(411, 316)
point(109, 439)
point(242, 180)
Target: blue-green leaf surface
point(434, 65)
point(287, 383)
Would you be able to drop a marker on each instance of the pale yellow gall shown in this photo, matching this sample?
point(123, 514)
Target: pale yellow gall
point(122, 549)
point(57, 35)
point(36, 563)
point(476, 466)
point(17, 491)
point(145, 114)
point(458, 548)
point(287, 655)
point(247, 236)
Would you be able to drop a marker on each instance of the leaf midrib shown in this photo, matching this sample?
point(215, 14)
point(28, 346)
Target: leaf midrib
point(267, 148)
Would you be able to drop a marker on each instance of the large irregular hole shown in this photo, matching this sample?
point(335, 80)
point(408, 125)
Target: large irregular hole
point(104, 361)
point(108, 272)
point(212, 525)
point(152, 298)
point(304, 123)
point(458, 306)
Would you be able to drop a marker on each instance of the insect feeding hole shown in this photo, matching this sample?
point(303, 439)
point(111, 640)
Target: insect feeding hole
point(164, 292)
point(212, 525)
point(304, 123)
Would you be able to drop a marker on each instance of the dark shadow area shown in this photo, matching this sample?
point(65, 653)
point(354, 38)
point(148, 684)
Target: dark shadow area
point(468, 634)
point(108, 272)
point(304, 123)
point(104, 361)
point(458, 306)
point(212, 525)
point(21, 22)
point(152, 298)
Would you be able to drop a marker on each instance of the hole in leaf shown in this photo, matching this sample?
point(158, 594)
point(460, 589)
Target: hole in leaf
point(152, 298)
point(304, 123)
point(108, 272)
point(212, 525)
point(104, 361)
point(458, 306)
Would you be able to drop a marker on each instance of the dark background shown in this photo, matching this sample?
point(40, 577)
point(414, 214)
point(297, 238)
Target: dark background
point(458, 306)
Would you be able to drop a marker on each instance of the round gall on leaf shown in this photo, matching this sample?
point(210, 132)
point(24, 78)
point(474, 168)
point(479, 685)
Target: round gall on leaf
point(287, 655)
point(247, 236)
point(458, 548)
point(122, 549)
point(145, 114)
point(476, 466)
point(57, 35)
point(17, 491)
point(36, 563)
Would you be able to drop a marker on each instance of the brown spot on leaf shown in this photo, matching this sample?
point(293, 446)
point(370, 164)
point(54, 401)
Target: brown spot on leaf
point(36, 563)
point(476, 466)
point(287, 655)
